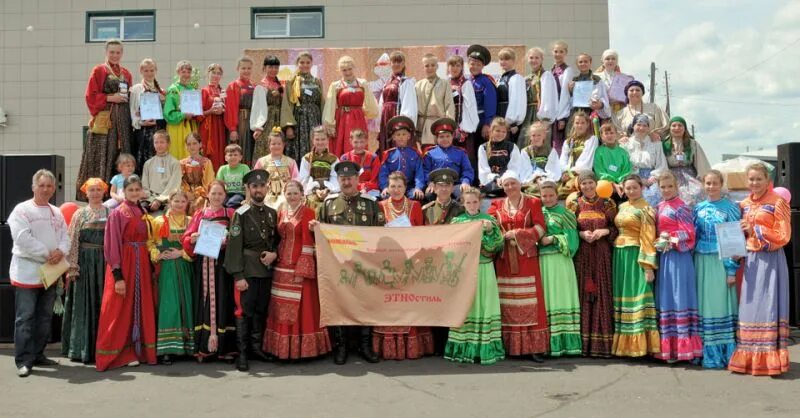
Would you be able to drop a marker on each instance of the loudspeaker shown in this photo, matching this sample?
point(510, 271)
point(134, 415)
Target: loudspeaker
point(794, 297)
point(788, 170)
point(6, 313)
point(7, 317)
point(5, 253)
point(17, 172)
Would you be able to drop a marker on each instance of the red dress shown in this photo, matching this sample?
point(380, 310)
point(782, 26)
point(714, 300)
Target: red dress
point(127, 328)
point(292, 329)
point(397, 342)
point(212, 129)
point(370, 167)
point(519, 281)
point(349, 116)
point(391, 97)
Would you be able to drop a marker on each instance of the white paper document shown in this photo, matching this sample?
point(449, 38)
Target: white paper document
point(582, 93)
point(209, 243)
point(150, 107)
point(730, 240)
point(191, 102)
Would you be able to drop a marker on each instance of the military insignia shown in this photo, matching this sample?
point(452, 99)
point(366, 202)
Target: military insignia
point(361, 205)
point(363, 218)
point(236, 230)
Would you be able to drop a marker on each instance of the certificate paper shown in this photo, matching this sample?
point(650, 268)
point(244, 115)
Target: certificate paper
point(150, 107)
point(617, 90)
point(730, 240)
point(191, 102)
point(209, 243)
point(582, 93)
point(50, 273)
point(399, 222)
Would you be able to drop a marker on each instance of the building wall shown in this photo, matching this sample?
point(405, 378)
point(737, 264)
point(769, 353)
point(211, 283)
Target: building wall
point(43, 72)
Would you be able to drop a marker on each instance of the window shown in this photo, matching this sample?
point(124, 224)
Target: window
point(296, 22)
point(126, 25)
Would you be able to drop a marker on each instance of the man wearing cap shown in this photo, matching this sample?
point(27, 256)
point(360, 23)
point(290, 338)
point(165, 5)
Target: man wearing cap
point(349, 207)
point(440, 212)
point(486, 97)
point(250, 252)
point(445, 155)
point(402, 158)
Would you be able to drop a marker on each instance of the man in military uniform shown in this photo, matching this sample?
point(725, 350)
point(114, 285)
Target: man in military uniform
point(252, 248)
point(349, 207)
point(440, 212)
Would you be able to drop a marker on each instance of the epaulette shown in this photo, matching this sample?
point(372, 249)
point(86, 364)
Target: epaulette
point(429, 204)
point(242, 209)
point(368, 196)
point(332, 196)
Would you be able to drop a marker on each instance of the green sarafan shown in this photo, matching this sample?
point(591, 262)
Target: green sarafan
point(415, 270)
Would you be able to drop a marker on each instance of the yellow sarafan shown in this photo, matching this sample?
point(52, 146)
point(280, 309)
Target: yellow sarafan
point(343, 242)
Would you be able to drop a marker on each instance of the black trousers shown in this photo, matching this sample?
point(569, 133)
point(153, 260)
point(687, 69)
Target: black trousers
point(251, 313)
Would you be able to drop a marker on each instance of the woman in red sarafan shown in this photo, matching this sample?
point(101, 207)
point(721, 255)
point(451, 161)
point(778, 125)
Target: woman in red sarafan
point(292, 329)
point(399, 342)
point(212, 124)
point(523, 315)
point(127, 328)
point(348, 106)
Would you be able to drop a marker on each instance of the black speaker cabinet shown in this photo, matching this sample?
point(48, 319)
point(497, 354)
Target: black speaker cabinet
point(5, 252)
point(788, 170)
point(794, 297)
point(7, 317)
point(17, 173)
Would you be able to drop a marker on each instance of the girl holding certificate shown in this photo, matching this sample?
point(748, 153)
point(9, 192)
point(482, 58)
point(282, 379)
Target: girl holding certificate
point(110, 127)
point(292, 328)
point(610, 74)
point(764, 303)
point(175, 332)
point(143, 129)
point(214, 324)
point(716, 279)
point(180, 124)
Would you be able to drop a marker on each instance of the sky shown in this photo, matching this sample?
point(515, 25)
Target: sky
point(734, 66)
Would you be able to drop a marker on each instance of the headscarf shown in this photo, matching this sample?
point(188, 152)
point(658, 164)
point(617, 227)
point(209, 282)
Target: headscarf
point(509, 174)
point(640, 118)
point(687, 138)
point(94, 181)
point(631, 84)
point(586, 175)
point(608, 53)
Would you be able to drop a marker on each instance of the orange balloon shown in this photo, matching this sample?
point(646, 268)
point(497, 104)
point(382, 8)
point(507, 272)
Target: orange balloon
point(67, 210)
point(605, 189)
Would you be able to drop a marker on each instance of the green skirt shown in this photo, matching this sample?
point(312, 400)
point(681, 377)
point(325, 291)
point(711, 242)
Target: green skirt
point(635, 319)
point(175, 335)
point(480, 339)
point(563, 306)
point(82, 305)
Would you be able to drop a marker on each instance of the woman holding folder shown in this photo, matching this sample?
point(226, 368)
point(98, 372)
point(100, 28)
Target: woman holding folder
point(214, 329)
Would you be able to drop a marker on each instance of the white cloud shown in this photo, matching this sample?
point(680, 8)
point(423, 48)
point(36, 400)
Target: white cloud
point(731, 72)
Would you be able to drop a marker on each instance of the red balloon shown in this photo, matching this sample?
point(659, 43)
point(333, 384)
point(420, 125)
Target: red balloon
point(67, 210)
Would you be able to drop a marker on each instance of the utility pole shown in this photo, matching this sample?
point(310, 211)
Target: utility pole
point(652, 81)
point(693, 131)
point(666, 85)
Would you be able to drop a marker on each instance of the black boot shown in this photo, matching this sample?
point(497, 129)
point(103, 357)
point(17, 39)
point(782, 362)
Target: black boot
point(537, 358)
point(257, 340)
point(339, 346)
point(242, 343)
point(365, 346)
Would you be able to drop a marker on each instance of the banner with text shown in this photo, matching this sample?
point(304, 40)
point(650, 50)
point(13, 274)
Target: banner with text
point(420, 276)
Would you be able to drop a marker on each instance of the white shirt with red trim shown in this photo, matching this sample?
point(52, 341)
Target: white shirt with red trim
point(36, 231)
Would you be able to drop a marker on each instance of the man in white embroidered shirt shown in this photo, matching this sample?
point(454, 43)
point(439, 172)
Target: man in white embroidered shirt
point(40, 236)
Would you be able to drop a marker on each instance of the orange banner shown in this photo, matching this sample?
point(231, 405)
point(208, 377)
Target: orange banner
point(420, 276)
